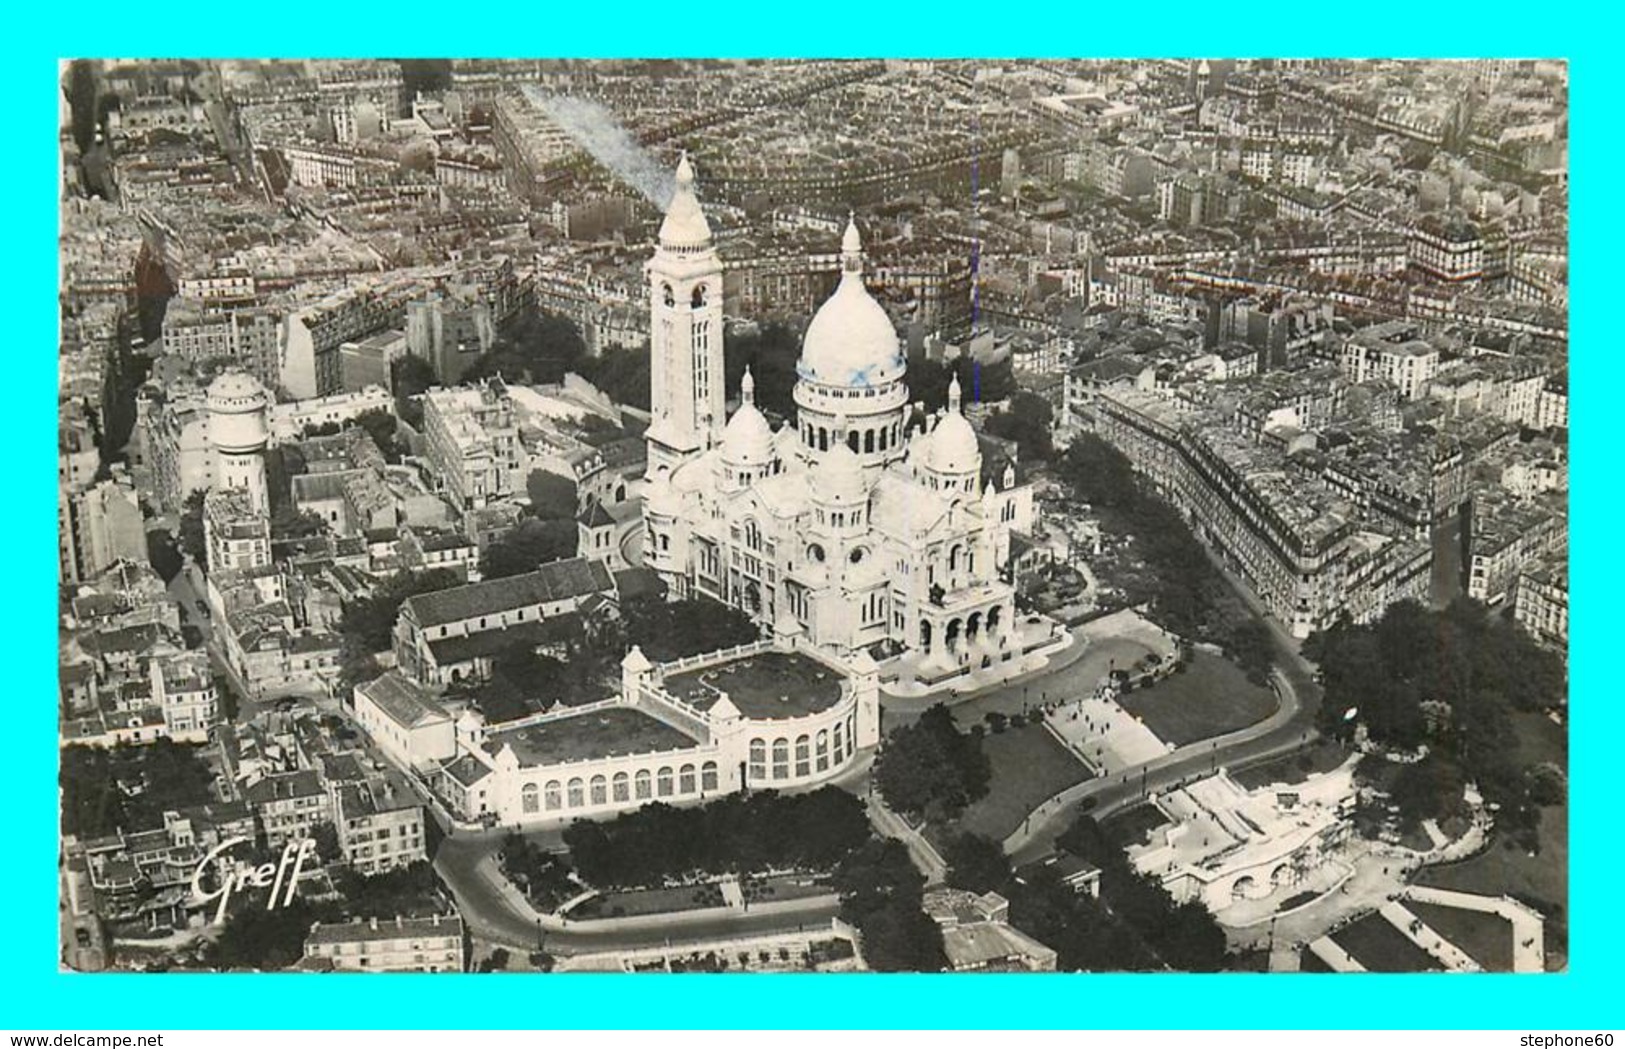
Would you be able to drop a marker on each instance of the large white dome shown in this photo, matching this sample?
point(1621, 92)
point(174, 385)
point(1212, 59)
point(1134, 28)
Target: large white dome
point(851, 342)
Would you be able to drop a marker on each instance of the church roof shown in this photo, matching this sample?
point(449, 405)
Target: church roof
point(748, 439)
point(900, 507)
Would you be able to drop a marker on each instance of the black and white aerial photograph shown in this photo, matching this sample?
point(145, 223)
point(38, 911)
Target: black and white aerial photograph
point(947, 516)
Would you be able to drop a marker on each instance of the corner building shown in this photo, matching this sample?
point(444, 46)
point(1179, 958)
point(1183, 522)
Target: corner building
point(863, 522)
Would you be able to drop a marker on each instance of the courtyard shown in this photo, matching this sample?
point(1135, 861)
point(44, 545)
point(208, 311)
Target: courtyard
point(767, 685)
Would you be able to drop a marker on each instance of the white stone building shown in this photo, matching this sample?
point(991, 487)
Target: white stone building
point(861, 522)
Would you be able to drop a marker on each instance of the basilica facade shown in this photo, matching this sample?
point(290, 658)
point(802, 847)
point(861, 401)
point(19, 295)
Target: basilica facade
point(864, 523)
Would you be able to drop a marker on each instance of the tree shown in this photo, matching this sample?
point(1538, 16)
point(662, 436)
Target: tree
point(932, 769)
point(977, 864)
point(193, 541)
point(528, 546)
point(381, 426)
point(326, 836)
point(371, 620)
point(266, 940)
point(771, 352)
point(409, 377)
point(623, 376)
point(1027, 422)
point(533, 347)
point(1252, 648)
point(1548, 785)
point(552, 496)
point(674, 630)
point(163, 554)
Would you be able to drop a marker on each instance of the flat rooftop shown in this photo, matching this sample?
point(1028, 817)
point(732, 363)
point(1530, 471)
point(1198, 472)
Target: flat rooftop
point(768, 686)
point(590, 736)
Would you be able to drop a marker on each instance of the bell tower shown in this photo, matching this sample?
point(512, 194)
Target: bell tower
point(685, 334)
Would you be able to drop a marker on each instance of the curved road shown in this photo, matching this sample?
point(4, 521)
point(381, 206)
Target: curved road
point(494, 911)
point(1289, 729)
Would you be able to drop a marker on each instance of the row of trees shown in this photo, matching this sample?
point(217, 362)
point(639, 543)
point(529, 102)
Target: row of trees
point(1134, 925)
point(1183, 935)
point(740, 832)
point(128, 787)
point(544, 877)
point(267, 940)
point(1451, 679)
point(1186, 592)
point(881, 895)
point(931, 769)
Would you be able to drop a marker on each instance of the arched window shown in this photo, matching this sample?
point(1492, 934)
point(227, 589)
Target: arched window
point(577, 793)
point(697, 300)
point(953, 558)
point(642, 785)
point(758, 760)
point(840, 744)
point(530, 798)
point(685, 780)
point(621, 787)
point(666, 293)
point(663, 782)
point(552, 796)
point(823, 439)
point(708, 776)
point(781, 759)
point(868, 440)
point(852, 440)
point(600, 791)
point(823, 749)
point(885, 437)
point(803, 756)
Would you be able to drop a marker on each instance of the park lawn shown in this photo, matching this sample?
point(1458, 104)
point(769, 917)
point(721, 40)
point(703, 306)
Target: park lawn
point(784, 887)
point(1487, 938)
point(647, 901)
point(1542, 880)
point(1323, 755)
point(1209, 698)
point(1309, 962)
point(1381, 948)
point(1029, 766)
point(1130, 826)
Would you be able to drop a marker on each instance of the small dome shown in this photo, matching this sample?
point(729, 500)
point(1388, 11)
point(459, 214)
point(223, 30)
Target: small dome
point(953, 447)
point(684, 225)
point(838, 478)
point(748, 438)
point(851, 342)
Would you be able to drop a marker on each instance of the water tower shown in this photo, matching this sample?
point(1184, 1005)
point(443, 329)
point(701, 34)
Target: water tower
point(239, 430)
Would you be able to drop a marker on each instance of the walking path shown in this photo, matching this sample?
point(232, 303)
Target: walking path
point(1106, 736)
point(926, 858)
point(1420, 933)
point(1528, 927)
